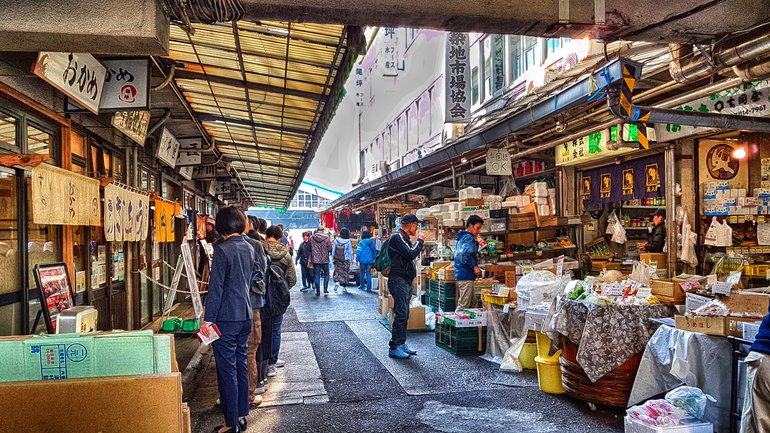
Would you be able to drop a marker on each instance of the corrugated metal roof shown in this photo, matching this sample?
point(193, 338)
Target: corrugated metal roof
point(260, 89)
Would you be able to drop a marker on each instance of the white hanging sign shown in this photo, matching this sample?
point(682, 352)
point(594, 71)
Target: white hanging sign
point(499, 162)
point(168, 148)
point(457, 78)
point(78, 75)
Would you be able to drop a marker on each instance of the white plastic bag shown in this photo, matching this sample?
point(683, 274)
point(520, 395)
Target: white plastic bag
point(712, 235)
point(619, 234)
point(691, 399)
point(537, 287)
point(725, 235)
point(611, 221)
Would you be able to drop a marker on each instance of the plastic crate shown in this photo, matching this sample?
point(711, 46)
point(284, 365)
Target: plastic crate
point(497, 300)
point(458, 344)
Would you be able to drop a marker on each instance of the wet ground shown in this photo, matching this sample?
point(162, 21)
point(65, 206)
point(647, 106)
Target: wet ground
point(339, 379)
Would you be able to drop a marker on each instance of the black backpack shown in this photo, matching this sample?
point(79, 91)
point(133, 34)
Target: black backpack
point(261, 263)
point(339, 252)
point(277, 293)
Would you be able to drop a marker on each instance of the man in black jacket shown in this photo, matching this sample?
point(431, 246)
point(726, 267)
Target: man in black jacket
point(658, 234)
point(402, 254)
point(303, 258)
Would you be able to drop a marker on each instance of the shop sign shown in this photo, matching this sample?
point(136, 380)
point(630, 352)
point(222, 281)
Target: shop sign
point(751, 99)
point(78, 75)
point(187, 172)
point(62, 197)
point(168, 148)
point(499, 162)
point(126, 215)
point(132, 123)
point(632, 180)
point(388, 58)
point(164, 221)
point(190, 152)
point(594, 146)
point(457, 78)
point(359, 86)
point(205, 172)
point(127, 85)
point(223, 187)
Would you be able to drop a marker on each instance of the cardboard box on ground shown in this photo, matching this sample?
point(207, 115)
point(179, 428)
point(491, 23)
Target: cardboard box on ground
point(109, 370)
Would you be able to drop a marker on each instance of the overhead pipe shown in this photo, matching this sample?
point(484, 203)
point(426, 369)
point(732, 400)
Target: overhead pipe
point(752, 71)
point(701, 67)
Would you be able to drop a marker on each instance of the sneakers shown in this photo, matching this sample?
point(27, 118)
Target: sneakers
point(261, 389)
point(304, 289)
point(406, 349)
point(271, 371)
point(398, 353)
point(336, 286)
point(280, 363)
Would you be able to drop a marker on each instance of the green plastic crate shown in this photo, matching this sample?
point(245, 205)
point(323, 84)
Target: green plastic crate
point(172, 324)
point(190, 325)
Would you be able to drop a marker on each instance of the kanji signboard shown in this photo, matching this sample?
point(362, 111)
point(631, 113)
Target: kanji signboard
point(78, 75)
point(457, 78)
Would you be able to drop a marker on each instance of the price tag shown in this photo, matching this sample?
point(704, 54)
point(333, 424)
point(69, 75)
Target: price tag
point(506, 308)
point(560, 266)
point(722, 288)
point(644, 292)
point(734, 278)
point(503, 292)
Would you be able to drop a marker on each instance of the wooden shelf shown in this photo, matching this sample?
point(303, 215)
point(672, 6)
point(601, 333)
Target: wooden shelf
point(636, 228)
point(643, 207)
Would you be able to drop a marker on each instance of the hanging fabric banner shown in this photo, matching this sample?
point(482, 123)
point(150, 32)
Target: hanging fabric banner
point(632, 180)
point(200, 226)
point(62, 197)
point(125, 214)
point(164, 221)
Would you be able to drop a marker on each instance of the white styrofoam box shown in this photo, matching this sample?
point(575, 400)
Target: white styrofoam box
point(444, 207)
point(544, 210)
point(495, 206)
point(511, 206)
point(749, 330)
point(541, 189)
point(696, 427)
point(435, 209)
point(478, 193)
point(456, 205)
point(524, 200)
point(541, 201)
point(493, 199)
point(423, 213)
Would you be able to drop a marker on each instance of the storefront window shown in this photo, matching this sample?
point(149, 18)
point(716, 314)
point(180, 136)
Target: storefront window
point(514, 57)
point(38, 141)
point(487, 67)
point(8, 133)
point(118, 170)
point(9, 319)
point(9, 248)
point(118, 261)
point(98, 252)
point(78, 145)
point(475, 75)
point(530, 57)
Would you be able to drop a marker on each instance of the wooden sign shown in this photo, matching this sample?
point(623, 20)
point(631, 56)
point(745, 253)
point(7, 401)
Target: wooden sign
point(499, 162)
point(78, 75)
point(168, 148)
point(62, 197)
point(134, 124)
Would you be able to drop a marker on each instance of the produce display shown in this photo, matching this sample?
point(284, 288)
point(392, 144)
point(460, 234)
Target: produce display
point(626, 292)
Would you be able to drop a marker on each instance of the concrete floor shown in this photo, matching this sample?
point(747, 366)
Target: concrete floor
point(339, 379)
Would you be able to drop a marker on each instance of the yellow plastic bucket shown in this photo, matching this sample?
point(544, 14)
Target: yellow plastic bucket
point(527, 356)
point(549, 375)
point(543, 346)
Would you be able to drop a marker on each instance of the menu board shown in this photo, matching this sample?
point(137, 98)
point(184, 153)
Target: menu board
point(55, 292)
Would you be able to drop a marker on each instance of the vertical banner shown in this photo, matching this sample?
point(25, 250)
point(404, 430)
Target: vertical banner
point(200, 226)
point(125, 215)
point(110, 194)
point(164, 221)
point(172, 211)
point(119, 213)
point(457, 78)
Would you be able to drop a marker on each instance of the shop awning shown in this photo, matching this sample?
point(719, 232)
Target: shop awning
point(265, 92)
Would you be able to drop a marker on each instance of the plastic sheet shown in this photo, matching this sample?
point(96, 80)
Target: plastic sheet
point(692, 400)
point(537, 287)
point(503, 332)
point(657, 413)
point(674, 356)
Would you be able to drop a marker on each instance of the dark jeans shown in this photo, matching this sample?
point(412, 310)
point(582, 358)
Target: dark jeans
point(321, 270)
point(307, 276)
point(366, 276)
point(232, 369)
point(265, 347)
point(277, 322)
point(401, 290)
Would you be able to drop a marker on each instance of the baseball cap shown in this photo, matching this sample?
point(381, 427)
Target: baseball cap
point(659, 212)
point(409, 218)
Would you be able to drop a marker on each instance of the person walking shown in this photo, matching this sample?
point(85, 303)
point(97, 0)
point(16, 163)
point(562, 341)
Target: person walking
point(306, 265)
point(467, 261)
point(279, 255)
point(256, 296)
point(402, 254)
point(366, 252)
point(228, 306)
point(320, 247)
point(380, 240)
point(756, 407)
point(342, 255)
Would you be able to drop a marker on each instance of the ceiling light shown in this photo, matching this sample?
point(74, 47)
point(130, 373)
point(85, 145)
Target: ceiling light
point(739, 153)
point(464, 160)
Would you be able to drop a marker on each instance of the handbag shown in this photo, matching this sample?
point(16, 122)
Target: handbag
point(309, 265)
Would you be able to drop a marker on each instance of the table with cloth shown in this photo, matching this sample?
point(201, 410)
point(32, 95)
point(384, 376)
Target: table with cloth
point(674, 357)
point(606, 335)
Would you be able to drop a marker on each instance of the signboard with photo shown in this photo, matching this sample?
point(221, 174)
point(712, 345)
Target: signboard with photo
point(55, 292)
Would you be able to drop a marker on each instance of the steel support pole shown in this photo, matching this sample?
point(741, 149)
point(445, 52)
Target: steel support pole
point(709, 120)
point(672, 224)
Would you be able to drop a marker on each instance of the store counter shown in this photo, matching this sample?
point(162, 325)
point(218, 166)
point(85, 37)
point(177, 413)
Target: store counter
point(674, 357)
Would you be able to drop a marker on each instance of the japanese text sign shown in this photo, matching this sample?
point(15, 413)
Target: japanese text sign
point(388, 57)
point(126, 215)
point(78, 75)
point(499, 162)
point(132, 123)
point(127, 85)
point(168, 148)
point(62, 197)
point(457, 78)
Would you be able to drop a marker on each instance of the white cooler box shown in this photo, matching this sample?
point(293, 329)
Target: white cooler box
point(82, 318)
point(697, 427)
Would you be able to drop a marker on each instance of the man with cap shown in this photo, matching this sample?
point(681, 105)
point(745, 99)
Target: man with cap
point(658, 234)
point(402, 254)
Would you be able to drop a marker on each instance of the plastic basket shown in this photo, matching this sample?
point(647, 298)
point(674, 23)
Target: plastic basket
point(496, 300)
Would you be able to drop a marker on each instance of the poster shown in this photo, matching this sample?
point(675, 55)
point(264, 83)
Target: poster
point(632, 180)
point(716, 163)
point(80, 281)
point(55, 292)
point(61, 197)
point(200, 226)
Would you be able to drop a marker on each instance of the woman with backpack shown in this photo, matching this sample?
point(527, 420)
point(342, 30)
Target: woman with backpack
point(366, 252)
point(320, 248)
point(342, 254)
point(282, 266)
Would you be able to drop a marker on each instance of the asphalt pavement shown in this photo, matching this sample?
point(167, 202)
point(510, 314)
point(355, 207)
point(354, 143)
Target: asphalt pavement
point(339, 379)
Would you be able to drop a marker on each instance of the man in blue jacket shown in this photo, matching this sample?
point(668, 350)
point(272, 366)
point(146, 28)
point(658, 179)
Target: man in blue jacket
point(756, 406)
point(467, 261)
point(402, 254)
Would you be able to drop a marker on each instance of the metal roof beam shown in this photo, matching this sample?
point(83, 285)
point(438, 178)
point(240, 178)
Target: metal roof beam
point(254, 147)
point(188, 75)
point(215, 118)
